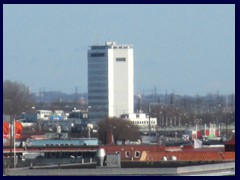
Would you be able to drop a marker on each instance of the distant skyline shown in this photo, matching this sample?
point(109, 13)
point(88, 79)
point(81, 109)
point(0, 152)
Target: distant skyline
point(188, 49)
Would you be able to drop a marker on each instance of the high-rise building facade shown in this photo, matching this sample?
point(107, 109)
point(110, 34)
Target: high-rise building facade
point(110, 80)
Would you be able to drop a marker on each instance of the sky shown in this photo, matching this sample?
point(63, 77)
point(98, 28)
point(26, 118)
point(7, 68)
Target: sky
point(185, 49)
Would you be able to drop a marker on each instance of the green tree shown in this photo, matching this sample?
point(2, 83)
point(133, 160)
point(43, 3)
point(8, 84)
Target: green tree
point(17, 98)
point(121, 130)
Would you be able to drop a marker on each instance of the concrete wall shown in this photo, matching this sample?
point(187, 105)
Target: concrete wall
point(213, 169)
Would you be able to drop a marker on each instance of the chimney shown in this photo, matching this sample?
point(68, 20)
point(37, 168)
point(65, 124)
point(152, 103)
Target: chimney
point(109, 137)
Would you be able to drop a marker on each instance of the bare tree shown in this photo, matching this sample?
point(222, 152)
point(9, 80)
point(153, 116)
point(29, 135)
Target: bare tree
point(16, 98)
point(121, 129)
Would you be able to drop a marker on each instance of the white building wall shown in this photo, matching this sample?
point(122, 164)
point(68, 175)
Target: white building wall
point(43, 114)
point(142, 120)
point(122, 81)
point(119, 97)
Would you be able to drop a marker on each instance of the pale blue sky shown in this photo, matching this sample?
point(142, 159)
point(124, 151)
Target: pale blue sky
point(186, 48)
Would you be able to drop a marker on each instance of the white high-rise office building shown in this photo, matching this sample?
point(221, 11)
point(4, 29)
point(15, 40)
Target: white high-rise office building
point(110, 80)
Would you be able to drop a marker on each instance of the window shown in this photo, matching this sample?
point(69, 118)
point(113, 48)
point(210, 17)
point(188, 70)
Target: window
point(127, 154)
point(97, 54)
point(121, 59)
point(137, 154)
point(97, 97)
